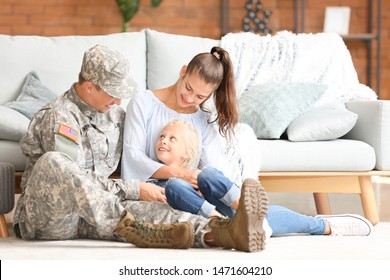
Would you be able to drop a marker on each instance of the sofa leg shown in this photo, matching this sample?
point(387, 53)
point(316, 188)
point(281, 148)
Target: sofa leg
point(368, 199)
point(322, 203)
point(3, 227)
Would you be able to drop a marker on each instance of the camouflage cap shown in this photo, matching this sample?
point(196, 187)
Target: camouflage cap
point(109, 70)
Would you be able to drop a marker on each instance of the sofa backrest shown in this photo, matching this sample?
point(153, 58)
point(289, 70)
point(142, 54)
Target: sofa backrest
point(167, 53)
point(57, 60)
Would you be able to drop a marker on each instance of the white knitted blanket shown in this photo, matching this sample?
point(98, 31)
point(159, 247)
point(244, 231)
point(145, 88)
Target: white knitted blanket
point(285, 56)
point(242, 154)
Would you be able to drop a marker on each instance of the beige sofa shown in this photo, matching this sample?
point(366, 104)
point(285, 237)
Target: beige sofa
point(341, 165)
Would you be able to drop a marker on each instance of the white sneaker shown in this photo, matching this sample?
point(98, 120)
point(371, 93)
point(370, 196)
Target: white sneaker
point(348, 224)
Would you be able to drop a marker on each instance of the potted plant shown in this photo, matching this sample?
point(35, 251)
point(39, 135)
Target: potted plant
point(129, 8)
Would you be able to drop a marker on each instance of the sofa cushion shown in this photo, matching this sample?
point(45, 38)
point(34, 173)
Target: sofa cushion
point(14, 125)
point(334, 155)
point(10, 151)
point(34, 96)
point(270, 107)
point(322, 123)
point(167, 53)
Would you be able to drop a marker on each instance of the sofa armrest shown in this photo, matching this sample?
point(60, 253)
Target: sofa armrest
point(373, 127)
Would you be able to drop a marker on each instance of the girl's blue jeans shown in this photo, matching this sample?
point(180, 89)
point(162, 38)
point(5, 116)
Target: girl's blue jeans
point(219, 193)
point(217, 190)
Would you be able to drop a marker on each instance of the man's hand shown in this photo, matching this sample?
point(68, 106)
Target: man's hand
point(151, 192)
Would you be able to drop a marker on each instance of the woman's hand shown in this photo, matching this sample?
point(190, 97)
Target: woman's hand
point(188, 175)
point(151, 192)
point(191, 176)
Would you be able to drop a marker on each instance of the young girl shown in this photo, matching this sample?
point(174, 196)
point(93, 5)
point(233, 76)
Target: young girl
point(178, 146)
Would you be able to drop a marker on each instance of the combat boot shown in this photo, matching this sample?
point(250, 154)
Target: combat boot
point(244, 232)
point(147, 235)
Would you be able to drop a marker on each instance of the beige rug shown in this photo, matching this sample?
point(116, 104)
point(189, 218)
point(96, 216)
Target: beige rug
point(288, 257)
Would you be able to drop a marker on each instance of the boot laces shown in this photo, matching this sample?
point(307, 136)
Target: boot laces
point(223, 221)
point(151, 231)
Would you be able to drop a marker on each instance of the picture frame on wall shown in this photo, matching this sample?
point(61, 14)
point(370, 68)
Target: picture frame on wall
point(337, 20)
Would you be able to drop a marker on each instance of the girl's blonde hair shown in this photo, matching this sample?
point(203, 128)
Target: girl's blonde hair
point(191, 141)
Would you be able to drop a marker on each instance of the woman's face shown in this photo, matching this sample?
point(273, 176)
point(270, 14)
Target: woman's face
point(192, 90)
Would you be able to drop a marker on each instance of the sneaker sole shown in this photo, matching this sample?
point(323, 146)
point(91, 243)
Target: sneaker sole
point(255, 202)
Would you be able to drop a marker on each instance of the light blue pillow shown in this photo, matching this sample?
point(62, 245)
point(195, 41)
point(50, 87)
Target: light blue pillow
point(269, 108)
point(33, 96)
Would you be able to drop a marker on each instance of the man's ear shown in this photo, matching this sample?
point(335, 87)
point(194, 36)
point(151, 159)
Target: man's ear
point(88, 86)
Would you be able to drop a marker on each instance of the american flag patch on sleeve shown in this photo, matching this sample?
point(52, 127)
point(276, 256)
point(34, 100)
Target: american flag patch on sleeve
point(68, 132)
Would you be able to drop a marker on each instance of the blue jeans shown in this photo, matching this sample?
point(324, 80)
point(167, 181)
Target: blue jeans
point(284, 221)
point(217, 190)
point(219, 193)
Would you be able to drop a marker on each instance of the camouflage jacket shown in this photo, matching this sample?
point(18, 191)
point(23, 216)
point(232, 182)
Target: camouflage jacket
point(69, 125)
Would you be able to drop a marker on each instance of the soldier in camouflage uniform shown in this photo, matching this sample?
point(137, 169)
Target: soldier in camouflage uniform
point(74, 143)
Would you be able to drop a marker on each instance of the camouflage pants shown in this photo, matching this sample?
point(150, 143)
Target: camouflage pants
point(63, 202)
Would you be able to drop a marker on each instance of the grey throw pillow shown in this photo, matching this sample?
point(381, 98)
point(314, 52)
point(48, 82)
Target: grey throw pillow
point(269, 108)
point(33, 96)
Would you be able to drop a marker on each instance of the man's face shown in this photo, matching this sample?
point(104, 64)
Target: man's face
point(171, 147)
point(102, 101)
